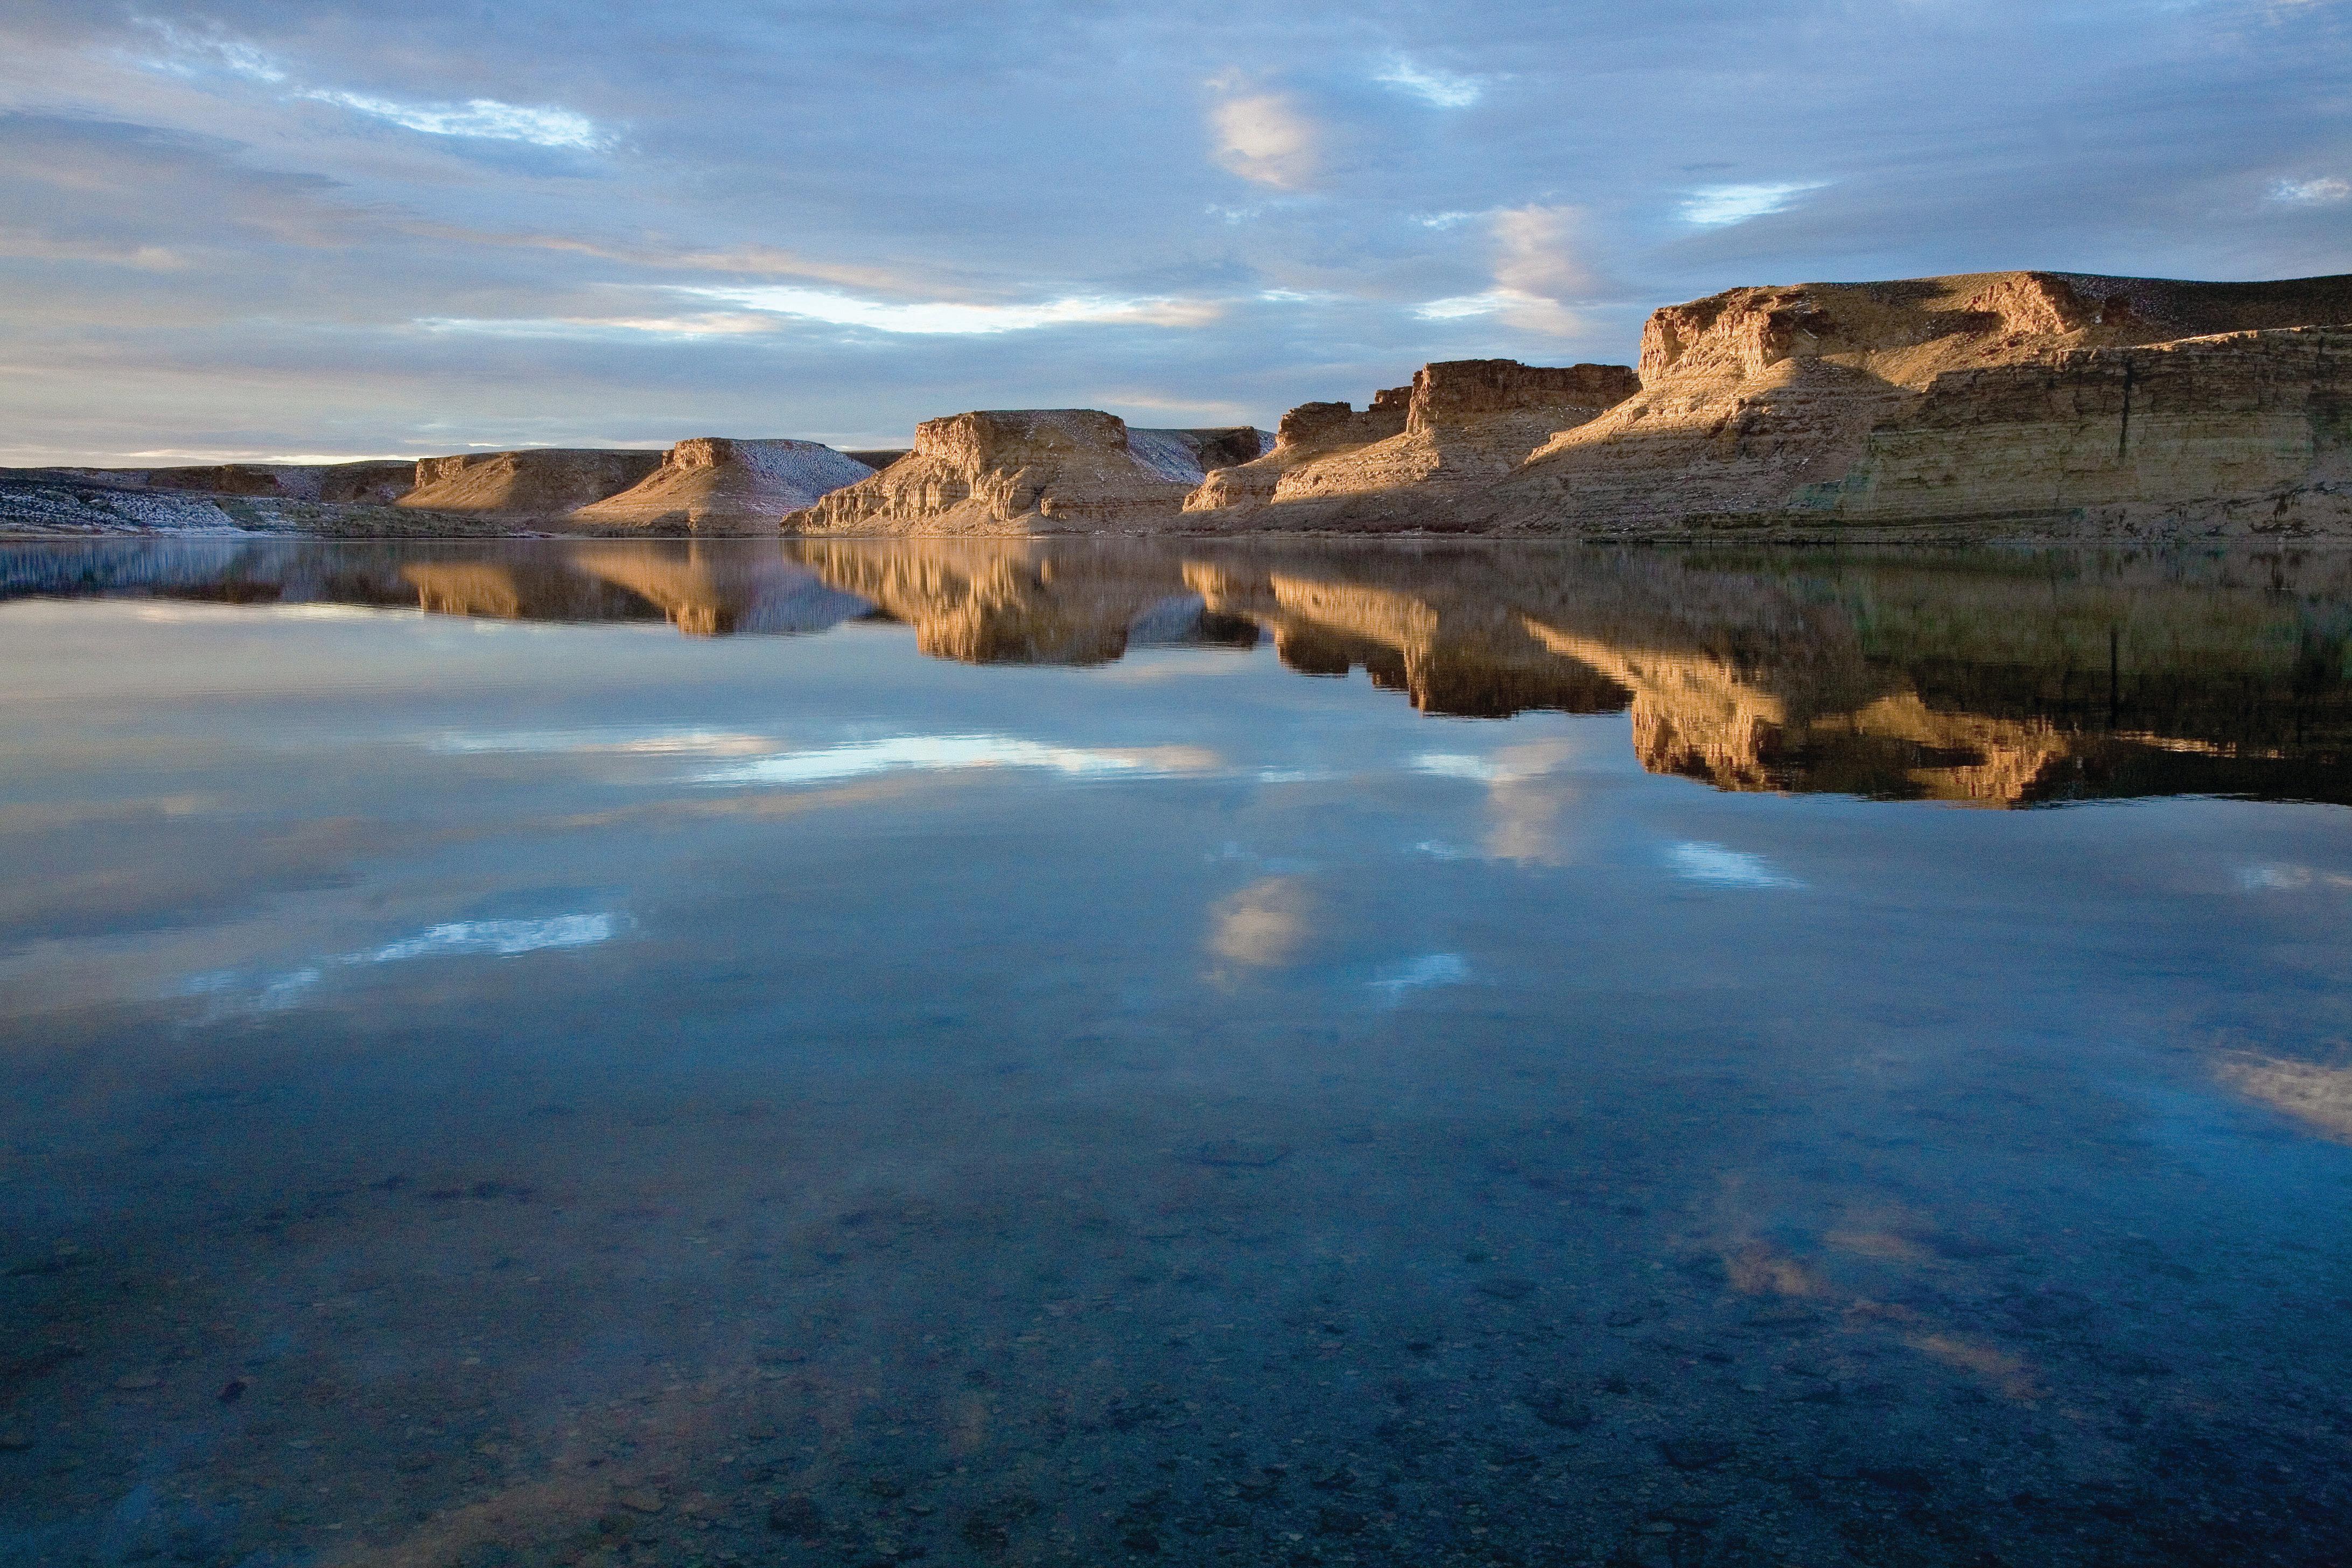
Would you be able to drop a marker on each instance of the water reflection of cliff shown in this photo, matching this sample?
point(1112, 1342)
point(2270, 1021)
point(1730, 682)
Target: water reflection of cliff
point(2005, 679)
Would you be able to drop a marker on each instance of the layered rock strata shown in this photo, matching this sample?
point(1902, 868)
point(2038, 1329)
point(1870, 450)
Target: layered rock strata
point(1466, 422)
point(1038, 470)
point(542, 482)
point(711, 484)
point(2025, 402)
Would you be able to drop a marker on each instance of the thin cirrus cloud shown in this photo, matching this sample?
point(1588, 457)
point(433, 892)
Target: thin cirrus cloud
point(1438, 89)
point(193, 55)
point(940, 317)
point(2315, 193)
point(484, 117)
point(1714, 207)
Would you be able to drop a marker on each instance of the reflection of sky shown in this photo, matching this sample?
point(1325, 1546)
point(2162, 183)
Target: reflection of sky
point(272, 800)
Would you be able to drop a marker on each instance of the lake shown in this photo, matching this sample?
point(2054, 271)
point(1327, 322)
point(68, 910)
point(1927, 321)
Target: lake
point(997, 1052)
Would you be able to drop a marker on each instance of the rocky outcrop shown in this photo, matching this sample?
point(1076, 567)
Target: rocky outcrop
point(376, 482)
point(2026, 402)
point(711, 484)
point(1308, 432)
point(1045, 470)
point(1190, 455)
point(1466, 422)
point(544, 483)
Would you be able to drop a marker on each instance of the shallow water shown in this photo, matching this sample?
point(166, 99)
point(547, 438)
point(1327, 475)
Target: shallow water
point(1652, 1058)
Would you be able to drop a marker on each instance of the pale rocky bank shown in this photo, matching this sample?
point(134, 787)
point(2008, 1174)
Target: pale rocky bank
point(2022, 406)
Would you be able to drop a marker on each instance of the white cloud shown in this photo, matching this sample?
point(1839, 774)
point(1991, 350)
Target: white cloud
point(1538, 268)
point(710, 324)
point(1444, 220)
point(1440, 89)
point(1266, 138)
point(1717, 867)
point(945, 318)
point(484, 117)
point(488, 119)
point(2311, 192)
point(610, 743)
point(1713, 206)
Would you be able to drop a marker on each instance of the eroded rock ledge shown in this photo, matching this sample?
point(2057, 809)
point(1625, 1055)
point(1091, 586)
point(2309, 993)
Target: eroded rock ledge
point(1028, 471)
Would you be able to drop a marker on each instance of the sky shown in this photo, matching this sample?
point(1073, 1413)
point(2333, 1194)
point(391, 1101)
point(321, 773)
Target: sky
point(308, 229)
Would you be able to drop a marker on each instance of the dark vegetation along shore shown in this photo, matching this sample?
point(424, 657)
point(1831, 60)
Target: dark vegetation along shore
point(2030, 406)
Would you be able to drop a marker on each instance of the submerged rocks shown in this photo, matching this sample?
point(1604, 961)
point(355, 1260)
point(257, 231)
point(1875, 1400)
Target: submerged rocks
point(1031, 471)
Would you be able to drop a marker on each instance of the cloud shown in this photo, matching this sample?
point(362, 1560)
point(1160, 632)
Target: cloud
point(1439, 90)
point(1537, 269)
point(193, 54)
point(1263, 925)
point(485, 117)
point(1266, 138)
point(951, 318)
point(1714, 205)
point(2321, 192)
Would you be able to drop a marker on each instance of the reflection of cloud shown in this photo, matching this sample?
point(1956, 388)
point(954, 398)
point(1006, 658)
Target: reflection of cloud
point(1525, 802)
point(1420, 973)
point(943, 752)
point(1263, 925)
point(2318, 1095)
point(234, 994)
point(1718, 867)
point(1522, 800)
point(502, 939)
point(1456, 765)
point(2013, 1375)
point(2272, 878)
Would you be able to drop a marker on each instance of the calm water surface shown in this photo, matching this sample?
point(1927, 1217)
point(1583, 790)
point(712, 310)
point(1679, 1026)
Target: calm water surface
point(998, 1054)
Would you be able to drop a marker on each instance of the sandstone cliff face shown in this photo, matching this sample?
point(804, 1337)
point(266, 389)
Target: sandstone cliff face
point(1005, 471)
point(1466, 422)
point(1990, 398)
point(545, 482)
point(713, 484)
point(1307, 432)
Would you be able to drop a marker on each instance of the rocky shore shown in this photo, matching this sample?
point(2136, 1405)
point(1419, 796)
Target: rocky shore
point(2010, 406)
